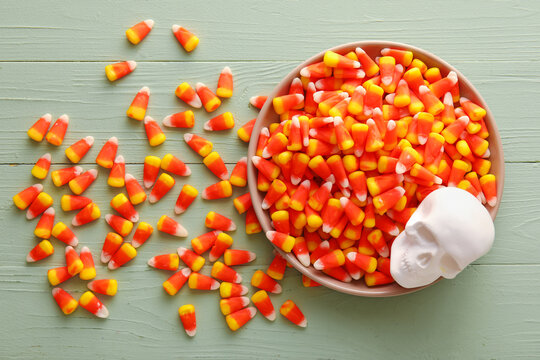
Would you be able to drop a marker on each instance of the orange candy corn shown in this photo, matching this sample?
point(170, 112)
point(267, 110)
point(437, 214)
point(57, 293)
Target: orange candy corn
point(225, 83)
point(364, 262)
point(185, 120)
point(73, 261)
point(45, 224)
point(377, 278)
point(228, 290)
point(191, 259)
point(56, 133)
point(170, 226)
point(316, 70)
point(153, 132)
point(111, 244)
point(142, 233)
point(215, 164)
point(186, 93)
point(224, 121)
point(40, 127)
point(403, 57)
point(185, 198)
point(202, 282)
point(354, 213)
point(104, 286)
point(204, 242)
point(121, 204)
point(42, 166)
point(233, 304)
point(301, 251)
point(488, 183)
point(276, 190)
point(217, 221)
point(119, 224)
point(291, 311)
point(87, 214)
point(222, 243)
point(237, 257)
point(65, 301)
point(176, 281)
point(81, 182)
point(281, 240)
point(208, 99)
point(388, 199)
point(77, 150)
point(264, 282)
point(151, 170)
point(307, 282)
point(188, 318)
point(90, 302)
point(134, 189)
point(218, 190)
point(222, 272)
point(125, 254)
point(368, 65)
point(162, 186)
point(263, 303)
point(285, 103)
point(107, 154)
point(407, 159)
point(335, 60)
point(188, 41)
point(138, 32)
point(74, 202)
point(239, 173)
point(379, 184)
point(459, 168)
point(239, 318)
point(267, 168)
point(40, 203)
point(24, 198)
point(119, 70)
point(137, 109)
point(280, 221)
point(331, 260)
point(40, 251)
point(58, 275)
point(172, 164)
point(88, 271)
point(258, 101)
point(376, 240)
point(118, 173)
point(244, 133)
point(473, 111)
point(64, 234)
point(199, 144)
point(165, 262)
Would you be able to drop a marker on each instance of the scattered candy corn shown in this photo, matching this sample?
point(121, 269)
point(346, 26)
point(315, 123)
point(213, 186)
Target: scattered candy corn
point(186, 93)
point(63, 176)
point(142, 233)
point(40, 251)
point(119, 224)
point(104, 286)
point(165, 262)
point(208, 99)
point(45, 224)
point(176, 281)
point(172, 164)
point(39, 129)
point(163, 185)
point(123, 255)
point(202, 282)
point(121, 204)
point(185, 119)
point(65, 301)
point(38, 206)
point(24, 198)
point(217, 221)
point(151, 170)
point(199, 144)
point(224, 121)
point(187, 316)
point(263, 303)
point(134, 189)
point(188, 41)
point(64, 234)
point(239, 318)
point(87, 214)
point(77, 150)
point(81, 182)
point(138, 32)
point(56, 133)
point(293, 313)
point(225, 83)
point(117, 174)
point(233, 304)
point(42, 166)
point(107, 154)
point(119, 70)
point(89, 270)
point(170, 226)
point(153, 132)
point(137, 109)
point(90, 302)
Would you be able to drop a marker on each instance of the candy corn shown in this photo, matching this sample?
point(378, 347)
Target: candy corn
point(104, 286)
point(40, 251)
point(185, 198)
point(134, 189)
point(74, 202)
point(244, 133)
point(252, 223)
point(199, 144)
point(186, 93)
point(90, 302)
point(111, 244)
point(151, 170)
point(222, 272)
point(88, 271)
point(73, 261)
point(65, 301)
point(87, 214)
point(176, 281)
point(119, 70)
point(40, 127)
point(263, 303)
point(224, 121)
point(81, 182)
point(121, 204)
point(233, 304)
point(215, 164)
point(42, 166)
point(262, 281)
point(58, 275)
point(217, 221)
point(138, 32)
point(219, 190)
point(239, 318)
point(239, 173)
point(119, 224)
point(142, 233)
point(188, 41)
point(56, 133)
point(172, 164)
point(333, 259)
point(191, 259)
point(137, 109)
point(40, 203)
point(24, 198)
point(238, 257)
point(153, 132)
point(283, 241)
point(228, 290)
point(208, 99)
point(171, 227)
point(123, 255)
point(63, 176)
point(185, 119)
point(165, 262)
point(489, 188)
point(291, 311)
point(222, 243)
point(202, 282)
point(258, 101)
point(225, 83)
point(64, 234)
point(45, 224)
point(162, 186)
point(187, 316)
point(77, 150)
point(107, 154)
point(118, 173)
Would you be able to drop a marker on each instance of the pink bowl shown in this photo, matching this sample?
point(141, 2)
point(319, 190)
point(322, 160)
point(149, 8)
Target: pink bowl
point(268, 116)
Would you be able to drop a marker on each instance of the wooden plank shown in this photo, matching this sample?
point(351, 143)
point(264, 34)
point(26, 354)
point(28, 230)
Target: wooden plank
point(98, 107)
point(262, 30)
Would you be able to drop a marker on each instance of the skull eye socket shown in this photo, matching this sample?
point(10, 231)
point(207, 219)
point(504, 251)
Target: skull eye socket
point(424, 258)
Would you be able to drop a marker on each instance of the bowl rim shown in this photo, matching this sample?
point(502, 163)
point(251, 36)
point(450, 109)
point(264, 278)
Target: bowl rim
point(385, 290)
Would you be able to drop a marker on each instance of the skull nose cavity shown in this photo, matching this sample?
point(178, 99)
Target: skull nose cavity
point(424, 259)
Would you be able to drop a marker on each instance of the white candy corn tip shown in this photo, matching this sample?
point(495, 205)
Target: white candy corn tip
point(144, 90)
point(231, 227)
point(112, 265)
point(423, 89)
point(244, 290)
point(129, 177)
point(377, 111)
point(252, 311)
point(55, 291)
point(181, 251)
point(46, 156)
point(312, 133)
point(108, 218)
point(199, 86)
point(303, 323)
point(47, 117)
point(271, 316)
point(179, 209)
point(238, 279)
point(85, 250)
point(175, 28)
point(148, 119)
point(276, 290)
point(359, 50)
point(266, 153)
point(191, 332)
point(102, 312)
point(93, 173)
point(149, 23)
point(226, 70)
point(119, 159)
point(195, 102)
point(167, 122)
point(304, 259)
point(152, 261)
point(64, 118)
point(338, 121)
point(207, 126)
point(492, 201)
point(188, 137)
point(343, 201)
point(400, 168)
point(131, 65)
point(318, 265)
point(113, 140)
point(105, 257)
point(30, 259)
point(391, 125)
point(305, 72)
point(68, 249)
point(49, 211)
point(422, 139)
point(38, 187)
point(256, 160)
point(152, 199)
point(351, 256)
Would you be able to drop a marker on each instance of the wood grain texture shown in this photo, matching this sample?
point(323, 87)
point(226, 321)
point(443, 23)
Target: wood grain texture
point(52, 58)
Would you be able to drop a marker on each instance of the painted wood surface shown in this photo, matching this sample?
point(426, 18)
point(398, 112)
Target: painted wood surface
point(51, 60)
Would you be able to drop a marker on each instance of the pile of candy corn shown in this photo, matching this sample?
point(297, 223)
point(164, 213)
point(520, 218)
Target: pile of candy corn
point(159, 175)
point(360, 144)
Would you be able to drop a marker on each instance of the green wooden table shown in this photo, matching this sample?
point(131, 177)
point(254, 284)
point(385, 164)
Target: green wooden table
point(52, 56)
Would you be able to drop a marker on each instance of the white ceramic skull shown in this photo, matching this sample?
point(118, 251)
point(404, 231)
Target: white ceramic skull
point(449, 230)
